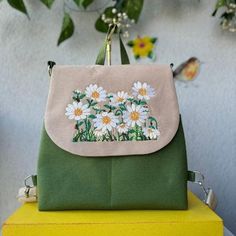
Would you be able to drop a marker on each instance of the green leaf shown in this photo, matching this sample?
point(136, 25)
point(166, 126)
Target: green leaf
point(133, 8)
point(219, 4)
point(137, 102)
point(152, 118)
point(122, 107)
point(142, 103)
point(82, 96)
point(83, 3)
point(118, 113)
point(150, 54)
point(123, 53)
point(228, 16)
point(88, 125)
point(92, 116)
point(132, 131)
point(110, 107)
point(153, 40)
point(100, 25)
point(78, 2)
point(94, 103)
point(86, 3)
point(78, 124)
point(130, 99)
point(107, 106)
point(130, 43)
point(18, 5)
point(67, 29)
point(47, 3)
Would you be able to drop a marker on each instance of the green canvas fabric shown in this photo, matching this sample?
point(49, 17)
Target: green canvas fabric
point(154, 181)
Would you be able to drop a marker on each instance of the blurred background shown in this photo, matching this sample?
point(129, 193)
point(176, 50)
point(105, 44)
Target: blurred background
point(184, 28)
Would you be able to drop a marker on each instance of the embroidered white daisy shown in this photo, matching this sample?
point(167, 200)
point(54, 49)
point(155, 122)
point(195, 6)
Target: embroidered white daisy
point(135, 114)
point(151, 133)
point(105, 121)
point(96, 93)
point(99, 133)
point(119, 98)
point(122, 128)
point(77, 111)
point(143, 91)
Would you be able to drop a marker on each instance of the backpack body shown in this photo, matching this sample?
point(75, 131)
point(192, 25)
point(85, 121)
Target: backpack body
point(112, 139)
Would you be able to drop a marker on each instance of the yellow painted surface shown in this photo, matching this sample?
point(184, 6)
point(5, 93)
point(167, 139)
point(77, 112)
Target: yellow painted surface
point(198, 220)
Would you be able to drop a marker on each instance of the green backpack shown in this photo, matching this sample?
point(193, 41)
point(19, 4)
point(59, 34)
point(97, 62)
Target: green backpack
point(112, 139)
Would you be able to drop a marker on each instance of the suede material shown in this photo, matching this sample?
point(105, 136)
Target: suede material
point(153, 181)
point(163, 106)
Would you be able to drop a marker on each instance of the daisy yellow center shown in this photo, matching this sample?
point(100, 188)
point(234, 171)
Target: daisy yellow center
point(134, 116)
point(143, 91)
point(119, 99)
point(106, 120)
point(78, 112)
point(122, 126)
point(95, 94)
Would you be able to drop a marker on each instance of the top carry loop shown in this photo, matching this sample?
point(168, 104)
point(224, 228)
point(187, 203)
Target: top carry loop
point(105, 50)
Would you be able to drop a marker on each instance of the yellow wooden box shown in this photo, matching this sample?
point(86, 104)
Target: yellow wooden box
point(198, 220)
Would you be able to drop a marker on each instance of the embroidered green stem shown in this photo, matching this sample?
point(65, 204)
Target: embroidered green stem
point(110, 135)
point(126, 137)
point(76, 137)
point(136, 132)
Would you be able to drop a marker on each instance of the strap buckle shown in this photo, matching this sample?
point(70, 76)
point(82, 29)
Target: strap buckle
point(28, 193)
point(209, 195)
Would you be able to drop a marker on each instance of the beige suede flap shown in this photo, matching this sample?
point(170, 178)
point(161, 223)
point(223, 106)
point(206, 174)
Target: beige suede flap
point(116, 110)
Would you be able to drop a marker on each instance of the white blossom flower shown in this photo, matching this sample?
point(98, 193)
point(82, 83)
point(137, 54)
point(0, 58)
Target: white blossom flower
point(99, 133)
point(96, 93)
point(105, 121)
point(151, 133)
point(119, 98)
point(122, 128)
point(77, 111)
point(143, 91)
point(135, 114)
